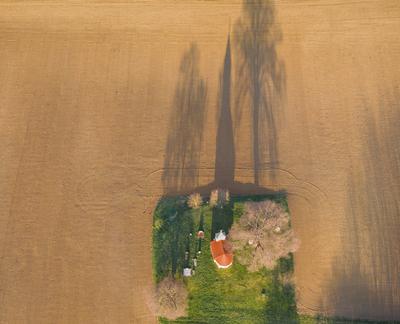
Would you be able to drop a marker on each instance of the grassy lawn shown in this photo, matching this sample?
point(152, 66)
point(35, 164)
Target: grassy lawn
point(232, 295)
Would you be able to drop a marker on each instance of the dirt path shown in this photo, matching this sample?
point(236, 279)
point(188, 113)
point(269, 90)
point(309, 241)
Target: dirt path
point(86, 98)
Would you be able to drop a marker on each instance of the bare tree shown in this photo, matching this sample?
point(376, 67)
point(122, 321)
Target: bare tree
point(262, 235)
point(168, 299)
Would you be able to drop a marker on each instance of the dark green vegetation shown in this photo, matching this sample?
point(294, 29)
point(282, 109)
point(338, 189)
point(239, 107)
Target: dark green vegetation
point(173, 221)
point(232, 295)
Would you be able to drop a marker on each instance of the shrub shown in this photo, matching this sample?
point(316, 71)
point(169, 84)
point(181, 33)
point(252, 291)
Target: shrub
point(195, 201)
point(158, 223)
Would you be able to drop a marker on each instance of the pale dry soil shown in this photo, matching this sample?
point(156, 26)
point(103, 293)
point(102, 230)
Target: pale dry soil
point(87, 92)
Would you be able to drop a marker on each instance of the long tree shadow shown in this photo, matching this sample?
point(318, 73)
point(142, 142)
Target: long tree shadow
point(366, 278)
point(225, 147)
point(186, 125)
point(260, 80)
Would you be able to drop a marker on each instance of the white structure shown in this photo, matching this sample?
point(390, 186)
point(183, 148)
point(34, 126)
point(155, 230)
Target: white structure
point(220, 236)
point(187, 272)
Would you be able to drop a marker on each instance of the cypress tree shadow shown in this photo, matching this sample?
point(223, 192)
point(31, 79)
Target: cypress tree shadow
point(182, 154)
point(225, 147)
point(260, 80)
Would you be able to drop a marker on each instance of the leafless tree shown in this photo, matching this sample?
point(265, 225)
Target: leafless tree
point(262, 235)
point(168, 299)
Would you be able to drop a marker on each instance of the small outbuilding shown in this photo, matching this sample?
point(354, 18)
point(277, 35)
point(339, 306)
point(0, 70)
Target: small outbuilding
point(187, 272)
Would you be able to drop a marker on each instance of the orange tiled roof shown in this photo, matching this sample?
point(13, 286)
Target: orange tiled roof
point(222, 258)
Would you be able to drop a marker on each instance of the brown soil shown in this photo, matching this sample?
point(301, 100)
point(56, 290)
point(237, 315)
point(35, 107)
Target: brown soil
point(106, 106)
